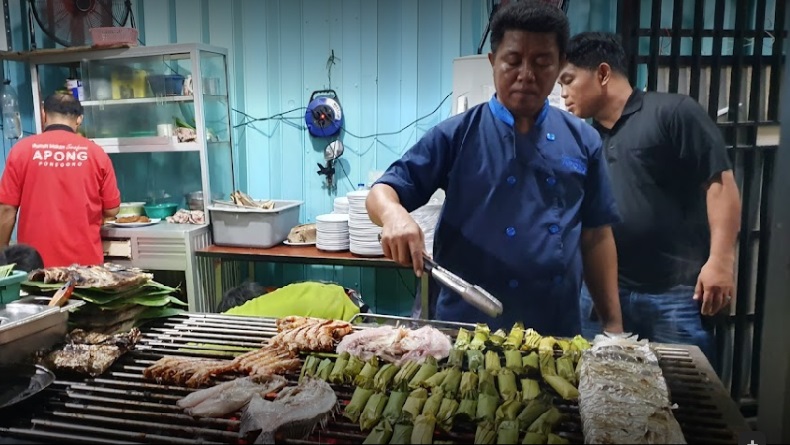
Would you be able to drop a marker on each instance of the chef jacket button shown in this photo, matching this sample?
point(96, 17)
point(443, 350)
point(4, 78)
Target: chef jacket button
point(513, 284)
point(511, 180)
point(551, 180)
point(511, 231)
point(554, 228)
point(558, 279)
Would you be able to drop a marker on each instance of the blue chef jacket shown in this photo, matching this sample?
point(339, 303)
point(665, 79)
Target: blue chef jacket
point(514, 209)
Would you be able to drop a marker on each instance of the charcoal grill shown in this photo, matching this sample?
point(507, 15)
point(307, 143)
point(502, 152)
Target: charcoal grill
point(121, 407)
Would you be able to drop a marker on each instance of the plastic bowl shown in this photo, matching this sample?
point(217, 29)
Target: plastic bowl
point(166, 84)
point(160, 210)
point(131, 209)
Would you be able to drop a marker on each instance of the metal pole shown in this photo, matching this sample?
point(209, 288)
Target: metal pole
point(774, 396)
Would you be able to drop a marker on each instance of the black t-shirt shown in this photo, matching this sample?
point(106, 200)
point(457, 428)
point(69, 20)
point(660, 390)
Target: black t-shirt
point(662, 152)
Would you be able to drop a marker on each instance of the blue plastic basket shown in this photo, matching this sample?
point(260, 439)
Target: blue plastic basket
point(10, 286)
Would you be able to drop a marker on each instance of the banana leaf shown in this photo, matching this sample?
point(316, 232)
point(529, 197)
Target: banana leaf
point(485, 433)
point(531, 362)
point(508, 410)
point(468, 387)
point(309, 367)
point(530, 389)
point(324, 369)
point(436, 379)
point(424, 426)
point(534, 409)
point(507, 432)
point(493, 361)
point(546, 422)
point(497, 339)
point(357, 404)
point(372, 413)
point(467, 410)
point(480, 337)
point(456, 358)
point(405, 374)
point(462, 339)
point(365, 377)
point(485, 384)
point(447, 411)
point(381, 433)
point(547, 366)
point(352, 369)
point(451, 382)
point(428, 368)
point(486, 407)
point(566, 390)
point(513, 361)
point(414, 403)
point(475, 359)
point(401, 434)
point(506, 382)
point(392, 412)
point(565, 369)
point(336, 376)
point(515, 337)
point(383, 378)
point(433, 403)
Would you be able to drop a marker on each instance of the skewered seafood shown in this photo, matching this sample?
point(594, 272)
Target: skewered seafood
point(397, 345)
point(230, 396)
point(309, 334)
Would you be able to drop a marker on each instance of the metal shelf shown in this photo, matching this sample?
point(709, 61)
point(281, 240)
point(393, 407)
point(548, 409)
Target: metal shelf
point(144, 145)
point(138, 100)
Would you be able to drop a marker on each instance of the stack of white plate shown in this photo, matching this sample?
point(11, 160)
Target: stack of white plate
point(341, 205)
point(363, 234)
point(332, 232)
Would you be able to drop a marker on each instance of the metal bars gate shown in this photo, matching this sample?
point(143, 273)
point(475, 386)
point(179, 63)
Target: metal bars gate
point(728, 55)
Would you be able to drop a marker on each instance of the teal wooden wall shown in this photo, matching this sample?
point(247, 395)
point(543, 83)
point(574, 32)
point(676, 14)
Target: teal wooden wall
point(393, 66)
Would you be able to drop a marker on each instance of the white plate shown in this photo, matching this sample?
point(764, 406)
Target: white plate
point(332, 218)
point(136, 224)
point(288, 243)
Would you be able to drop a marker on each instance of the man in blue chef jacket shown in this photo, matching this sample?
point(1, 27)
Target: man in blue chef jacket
point(528, 207)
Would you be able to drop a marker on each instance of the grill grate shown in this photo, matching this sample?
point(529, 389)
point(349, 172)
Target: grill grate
point(122, 407)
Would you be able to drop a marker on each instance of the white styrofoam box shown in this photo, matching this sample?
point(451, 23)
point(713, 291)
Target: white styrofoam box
point(237, 226)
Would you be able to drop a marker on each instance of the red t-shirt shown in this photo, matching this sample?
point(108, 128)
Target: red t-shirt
point(61, 182)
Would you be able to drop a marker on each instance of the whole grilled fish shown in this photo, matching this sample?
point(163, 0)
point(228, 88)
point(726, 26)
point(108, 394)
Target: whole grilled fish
point(295, 412)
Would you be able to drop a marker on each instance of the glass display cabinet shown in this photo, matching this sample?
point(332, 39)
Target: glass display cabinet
point(162, 114)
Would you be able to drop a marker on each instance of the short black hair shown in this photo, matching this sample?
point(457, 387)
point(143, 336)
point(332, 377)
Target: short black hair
point(63, 103)
point(240, 295)
point(25, 257)
point(531, 16)
point(590, 49)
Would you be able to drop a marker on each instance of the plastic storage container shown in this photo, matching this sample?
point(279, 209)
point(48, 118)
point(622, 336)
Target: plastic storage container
point(232, 225)
point(166, 84)
point(160, 210)
point(11, 285)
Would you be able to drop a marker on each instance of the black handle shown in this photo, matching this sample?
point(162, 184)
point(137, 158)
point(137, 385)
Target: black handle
point(333, 94)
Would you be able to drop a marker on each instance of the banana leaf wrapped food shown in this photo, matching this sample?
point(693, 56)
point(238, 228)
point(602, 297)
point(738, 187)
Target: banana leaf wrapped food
point(497, 339)
point(515, 337)
point(357, 404)
point(467, 410)
point(405, 374)
point(507, 432)
point(531, 362)
point(565, 369)
point(480, 337)
point(309, 367)
point(462, 339)
point(486, 407)
point(352, 369)
point(563, 344)
point(534, 409)
point(336, 376)
point(415, 402)
point(452, 382)
point(563, 388)
point(531, 340)
point(381, 433)
point(392, 412)
point(428, 368)
point(493, 362)
point(547, 366)
point(513, 360)
point(456, 358)
point(368, 372)
point(508, 410)
point(534, 439)
point(475, 359)
point(433, 403)
point(424, 426)
point(435, 380)
point(446, 414)
point(486, 384)
point(546, 422)
point(485, 433)
point(468, 387)
point(401, 433)
point(324, 369)
point(383, 378)
point(506, 382)
point(371, 415)
point(548, 344)
point(579, 344)
point(530, 389)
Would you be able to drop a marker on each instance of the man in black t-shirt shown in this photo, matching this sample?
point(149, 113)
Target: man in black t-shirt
point(675, 189)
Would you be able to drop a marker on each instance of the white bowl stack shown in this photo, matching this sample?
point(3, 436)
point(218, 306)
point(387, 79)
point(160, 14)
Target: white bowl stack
point(332, 232)
point(340, 205)
point(363, 234)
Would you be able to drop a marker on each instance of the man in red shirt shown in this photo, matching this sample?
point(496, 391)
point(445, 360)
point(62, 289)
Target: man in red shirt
point(63, 185)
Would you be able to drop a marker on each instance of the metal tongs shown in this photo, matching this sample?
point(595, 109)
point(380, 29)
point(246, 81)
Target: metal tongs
point(472, 294)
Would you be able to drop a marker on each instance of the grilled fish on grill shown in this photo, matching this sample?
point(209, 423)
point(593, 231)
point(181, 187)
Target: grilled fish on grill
point(294, 413)
point(309, 334)
point(89, 353)
point(108, 276)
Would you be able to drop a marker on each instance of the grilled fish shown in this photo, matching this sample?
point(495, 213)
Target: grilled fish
point(294, 413)
point(229, 397)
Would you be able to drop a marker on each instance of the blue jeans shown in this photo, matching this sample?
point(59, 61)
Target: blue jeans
point(671, 317)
